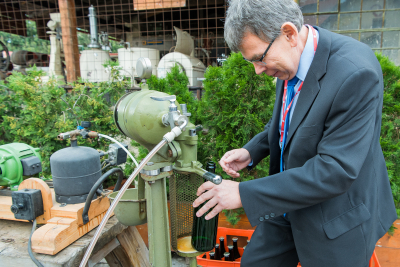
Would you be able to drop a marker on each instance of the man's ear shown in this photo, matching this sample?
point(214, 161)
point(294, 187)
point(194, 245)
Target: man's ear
point(290, 33)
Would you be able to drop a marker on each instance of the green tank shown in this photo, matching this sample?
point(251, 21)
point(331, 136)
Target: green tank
point(140, 118)
point(18, 160)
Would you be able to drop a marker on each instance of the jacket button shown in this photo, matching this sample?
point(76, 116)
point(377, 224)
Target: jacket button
point(272, 215)
point(266, 217)
point(261, 219)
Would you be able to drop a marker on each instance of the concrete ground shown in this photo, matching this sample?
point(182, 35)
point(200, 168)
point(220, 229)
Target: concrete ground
point(177, 261)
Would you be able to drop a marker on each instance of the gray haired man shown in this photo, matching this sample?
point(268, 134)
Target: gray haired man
point(327, 199)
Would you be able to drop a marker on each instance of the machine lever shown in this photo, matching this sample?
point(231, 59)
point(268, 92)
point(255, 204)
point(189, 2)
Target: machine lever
point(212, 177)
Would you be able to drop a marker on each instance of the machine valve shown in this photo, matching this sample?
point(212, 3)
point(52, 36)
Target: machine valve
point(173, 118)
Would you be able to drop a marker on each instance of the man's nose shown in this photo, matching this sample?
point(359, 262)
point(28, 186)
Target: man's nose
point(259, 69)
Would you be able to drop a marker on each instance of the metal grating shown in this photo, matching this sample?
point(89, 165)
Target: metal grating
point(142, 23)
point(182, 194)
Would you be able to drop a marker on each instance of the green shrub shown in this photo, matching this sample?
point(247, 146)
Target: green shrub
point(35, 112)
point(236, 105)
point(390, 132)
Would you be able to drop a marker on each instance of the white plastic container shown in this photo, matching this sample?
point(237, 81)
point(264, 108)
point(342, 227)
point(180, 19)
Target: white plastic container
point(91, 64)
point(192, 66)
point(128, 57)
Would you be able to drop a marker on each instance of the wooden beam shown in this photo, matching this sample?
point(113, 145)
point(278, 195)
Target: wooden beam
point(102, 253)
point(118, 258)
point(70, 39)
point(155, 4)
point(134, 246)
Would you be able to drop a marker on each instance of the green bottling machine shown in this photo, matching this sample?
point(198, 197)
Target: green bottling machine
point(157, 122)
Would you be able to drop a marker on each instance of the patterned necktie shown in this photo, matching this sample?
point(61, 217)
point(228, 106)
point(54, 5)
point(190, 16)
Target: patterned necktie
point(289, 98)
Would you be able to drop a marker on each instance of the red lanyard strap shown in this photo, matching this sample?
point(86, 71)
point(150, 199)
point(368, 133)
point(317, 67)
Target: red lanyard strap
point(285, 111)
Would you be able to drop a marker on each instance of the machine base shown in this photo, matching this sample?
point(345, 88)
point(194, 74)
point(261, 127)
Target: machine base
point(64, 223)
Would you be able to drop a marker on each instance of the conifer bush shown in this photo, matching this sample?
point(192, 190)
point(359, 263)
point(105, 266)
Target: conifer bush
point(390, 131)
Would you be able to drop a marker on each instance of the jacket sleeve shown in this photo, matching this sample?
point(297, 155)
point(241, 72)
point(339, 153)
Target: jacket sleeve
point(258, 146)
point(341, 153)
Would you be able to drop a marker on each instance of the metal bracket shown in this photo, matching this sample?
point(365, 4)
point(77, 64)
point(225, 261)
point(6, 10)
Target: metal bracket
point(149, 178)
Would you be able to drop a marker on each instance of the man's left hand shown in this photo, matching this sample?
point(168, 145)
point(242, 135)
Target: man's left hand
point(223, 196)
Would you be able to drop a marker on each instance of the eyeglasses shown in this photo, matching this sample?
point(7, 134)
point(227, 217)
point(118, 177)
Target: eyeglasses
point(260, 61)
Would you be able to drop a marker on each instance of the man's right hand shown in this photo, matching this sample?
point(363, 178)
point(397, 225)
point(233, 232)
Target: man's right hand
point(235, 160)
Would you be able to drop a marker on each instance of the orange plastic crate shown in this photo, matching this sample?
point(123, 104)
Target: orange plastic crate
point(225, 232)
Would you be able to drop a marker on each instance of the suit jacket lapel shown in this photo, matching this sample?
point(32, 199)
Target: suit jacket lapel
point(277, 108)
point(311, 83)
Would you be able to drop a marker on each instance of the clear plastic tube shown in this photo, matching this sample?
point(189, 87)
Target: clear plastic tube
point(116, 200)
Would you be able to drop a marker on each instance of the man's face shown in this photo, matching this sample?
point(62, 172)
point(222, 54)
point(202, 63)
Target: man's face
point(281, 60)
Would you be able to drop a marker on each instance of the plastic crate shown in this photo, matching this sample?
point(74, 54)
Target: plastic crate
point(227, 233)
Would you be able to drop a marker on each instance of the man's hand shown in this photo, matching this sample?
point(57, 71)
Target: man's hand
point(235, 160)
point(223, 196)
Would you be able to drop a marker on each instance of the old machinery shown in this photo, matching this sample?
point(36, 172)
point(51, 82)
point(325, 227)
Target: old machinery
point(92, 60)
point(16, 161)
point(191, 65)
point(55, 66)
point(4, 57)
point(127, 58)
point(159, 123)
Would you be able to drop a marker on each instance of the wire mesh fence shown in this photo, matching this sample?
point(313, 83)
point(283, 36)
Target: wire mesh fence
point(185, 32)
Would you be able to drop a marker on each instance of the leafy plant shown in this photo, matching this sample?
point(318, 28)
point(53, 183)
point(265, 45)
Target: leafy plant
point(390, 131)
point(36, 112)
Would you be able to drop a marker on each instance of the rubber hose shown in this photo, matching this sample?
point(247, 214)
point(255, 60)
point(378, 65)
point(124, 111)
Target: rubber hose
point(97, 185)
point(30, 246)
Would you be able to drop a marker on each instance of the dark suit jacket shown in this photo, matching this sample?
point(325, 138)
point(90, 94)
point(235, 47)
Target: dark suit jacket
point(335, 188)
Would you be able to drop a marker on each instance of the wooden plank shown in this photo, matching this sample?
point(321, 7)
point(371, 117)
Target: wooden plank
point(52, 238)
point(155, 4)
point(14, 252)
point(70, 39)
point(31, 183)
point(102, 253)
point(5, 209)
point(118, 258)
point(74, 211)
point(35, 183)
point(134, 246)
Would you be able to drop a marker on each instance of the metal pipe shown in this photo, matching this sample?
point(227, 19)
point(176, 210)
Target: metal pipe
point(85, 216)
point(93, 28)
point(117, 199)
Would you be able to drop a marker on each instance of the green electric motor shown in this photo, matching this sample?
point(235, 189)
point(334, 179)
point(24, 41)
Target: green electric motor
point(18, 160)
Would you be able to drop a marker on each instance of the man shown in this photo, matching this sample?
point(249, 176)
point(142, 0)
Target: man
point(327, 200)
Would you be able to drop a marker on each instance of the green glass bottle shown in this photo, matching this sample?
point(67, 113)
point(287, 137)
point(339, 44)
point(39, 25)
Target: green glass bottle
point(204, 232)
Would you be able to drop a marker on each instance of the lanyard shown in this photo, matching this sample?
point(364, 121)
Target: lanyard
point(286, 109)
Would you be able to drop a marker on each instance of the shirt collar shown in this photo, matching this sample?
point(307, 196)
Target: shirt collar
point(307, 56)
